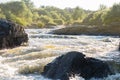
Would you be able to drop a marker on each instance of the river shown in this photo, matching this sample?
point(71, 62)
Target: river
point(26, 62)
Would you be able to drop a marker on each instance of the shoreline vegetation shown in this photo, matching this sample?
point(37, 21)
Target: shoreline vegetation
point(104, 21)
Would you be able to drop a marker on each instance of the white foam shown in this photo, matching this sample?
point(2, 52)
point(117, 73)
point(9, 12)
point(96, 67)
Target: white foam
point(90, 45)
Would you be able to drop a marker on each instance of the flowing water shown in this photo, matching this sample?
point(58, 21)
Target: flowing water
point(26, 62)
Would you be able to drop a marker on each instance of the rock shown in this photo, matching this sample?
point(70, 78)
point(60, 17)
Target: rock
point(11, 34)
point(88, 30)
point(119, 46)
point(74, 63)
point(107, 40)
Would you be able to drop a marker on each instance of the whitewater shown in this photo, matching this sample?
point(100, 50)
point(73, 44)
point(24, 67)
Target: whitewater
point(27, 61)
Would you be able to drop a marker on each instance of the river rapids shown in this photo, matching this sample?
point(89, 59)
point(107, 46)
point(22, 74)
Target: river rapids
point(26, 62)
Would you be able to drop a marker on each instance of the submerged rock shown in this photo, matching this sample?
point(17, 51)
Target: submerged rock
point(74, 63)
point(11, 34)
point(107, 40)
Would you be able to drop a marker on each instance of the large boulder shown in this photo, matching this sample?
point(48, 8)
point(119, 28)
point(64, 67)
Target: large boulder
point(11, 34)
point(74, 63)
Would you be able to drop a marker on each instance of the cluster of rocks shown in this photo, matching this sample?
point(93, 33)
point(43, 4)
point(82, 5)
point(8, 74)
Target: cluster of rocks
point(11, 34)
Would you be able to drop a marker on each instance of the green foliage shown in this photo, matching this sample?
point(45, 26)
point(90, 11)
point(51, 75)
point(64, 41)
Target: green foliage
point(1, 14)
point(51, 23)
point(24, 13)
point(15, 7)
point(102, 7)
point(29, 4)
point(18, 12)
point(59, 21)
point(40, 24)
point(113, 14)
point(96, 18)
point(35, 16)
point(104, 16)
point(17, 19)
point(78, 14)
point(77, 22)
point(54, 15)
point(45, 19)
point(44, 12)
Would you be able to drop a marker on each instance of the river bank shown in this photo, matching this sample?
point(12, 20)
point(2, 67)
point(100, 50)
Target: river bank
point(110, 30)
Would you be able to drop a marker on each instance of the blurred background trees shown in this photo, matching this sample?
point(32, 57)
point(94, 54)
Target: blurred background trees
point(24, 13)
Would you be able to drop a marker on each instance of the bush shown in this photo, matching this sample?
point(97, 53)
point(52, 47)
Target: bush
point(1, 14)
point(17, 11)
point(21, 21)
point(96, 18)
point(18, 20)
point(113, 15)
point(76, 22)
point(45, 19)
point(40, 24)
point(51, 23)
point(59, 21)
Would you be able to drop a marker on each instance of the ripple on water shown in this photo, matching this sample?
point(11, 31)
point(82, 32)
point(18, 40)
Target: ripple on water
point(43, 48)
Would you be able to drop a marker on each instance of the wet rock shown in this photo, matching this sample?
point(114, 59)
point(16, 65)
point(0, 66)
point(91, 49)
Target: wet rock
point(11, 34)
point(74, 63)
point(119, 46)
point(107, 40)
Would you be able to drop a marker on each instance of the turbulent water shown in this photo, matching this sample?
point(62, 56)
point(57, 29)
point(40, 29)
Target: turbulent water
point(26, 62)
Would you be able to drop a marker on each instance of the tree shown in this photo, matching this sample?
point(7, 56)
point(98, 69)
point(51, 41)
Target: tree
point(113, 14)
point(78, 14)
point(45, 19)
point(1, 14)
point(102, 7)
point(29, 4)
point(42, 11)
point(59, 21)
point(55, 15)
point(19, 10)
